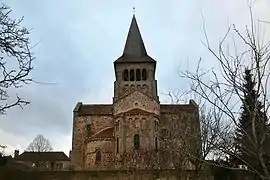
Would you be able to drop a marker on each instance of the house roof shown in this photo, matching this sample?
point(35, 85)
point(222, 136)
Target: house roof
point(134, 50)
point(42, 156)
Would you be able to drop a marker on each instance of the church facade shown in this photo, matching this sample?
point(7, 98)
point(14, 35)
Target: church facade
point(136, 130)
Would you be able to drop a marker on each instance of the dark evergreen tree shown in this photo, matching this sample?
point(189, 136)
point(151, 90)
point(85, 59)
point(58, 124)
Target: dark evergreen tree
point(252, 132)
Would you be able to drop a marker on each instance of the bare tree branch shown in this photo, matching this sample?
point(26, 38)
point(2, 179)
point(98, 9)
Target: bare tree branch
point(224, 93)
point(15, 59)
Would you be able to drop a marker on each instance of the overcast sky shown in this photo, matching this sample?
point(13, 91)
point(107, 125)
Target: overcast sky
point(79, 40)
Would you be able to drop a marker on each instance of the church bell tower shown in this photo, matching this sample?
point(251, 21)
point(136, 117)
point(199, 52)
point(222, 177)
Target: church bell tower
point(136, 104)
point(135, 70)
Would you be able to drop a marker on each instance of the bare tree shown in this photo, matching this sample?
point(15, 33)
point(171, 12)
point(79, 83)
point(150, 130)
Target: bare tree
point(39, 144)
point(15, 59)
point(175, 145)
point(176, 140)
point(224, 93)
point(2, 152)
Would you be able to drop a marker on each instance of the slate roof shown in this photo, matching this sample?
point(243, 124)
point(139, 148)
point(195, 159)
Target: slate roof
point(134, 50)
point(42, 156)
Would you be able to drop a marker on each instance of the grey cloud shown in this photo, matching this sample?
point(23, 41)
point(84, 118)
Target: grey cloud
point(44, 113)
point(79, 41)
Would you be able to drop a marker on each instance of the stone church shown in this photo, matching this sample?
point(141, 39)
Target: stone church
point(136, 130)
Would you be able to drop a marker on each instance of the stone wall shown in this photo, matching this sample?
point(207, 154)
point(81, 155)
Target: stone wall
point(78, 142)
point(148, 86)
point(136, 100)
point(134, 117)
point(179, 134)
point(136, 114)
point(106, 147)
point(99, 175)
point(83, 128)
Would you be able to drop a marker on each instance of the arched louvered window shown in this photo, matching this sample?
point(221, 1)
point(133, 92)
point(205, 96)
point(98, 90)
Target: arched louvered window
point(131, 75)
point(144, 74)
point(136, 141)
point(125, 75)
point(138, 74)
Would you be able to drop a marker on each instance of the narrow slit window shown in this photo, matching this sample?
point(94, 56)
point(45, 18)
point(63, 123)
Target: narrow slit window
point(132, 78)
point(117, 126)
point(156, 144)
point(136, 141)
point(138, 75)
point(88, 129)
point(98, 156)
point(117, 145)
point(125, 75)
point(156, 125)
point(144, 74)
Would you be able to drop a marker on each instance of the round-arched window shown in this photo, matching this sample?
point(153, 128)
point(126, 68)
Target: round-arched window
point(138, 74)
point(131, 75)
point(125, 75)
point(144, 75)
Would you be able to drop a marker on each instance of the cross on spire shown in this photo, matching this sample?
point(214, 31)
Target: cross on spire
point(134, 10)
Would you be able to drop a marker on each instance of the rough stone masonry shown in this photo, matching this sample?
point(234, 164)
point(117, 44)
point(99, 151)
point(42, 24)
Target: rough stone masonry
point(136, 131)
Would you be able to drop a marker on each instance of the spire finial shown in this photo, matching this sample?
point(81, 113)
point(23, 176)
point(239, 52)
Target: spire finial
point(134, 9)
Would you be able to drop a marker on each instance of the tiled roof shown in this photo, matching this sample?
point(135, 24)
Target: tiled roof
point(102, 109)
point(107, 109)
point(134, 112)
point(170, 108)
point(42, 156)
point(105, 133)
